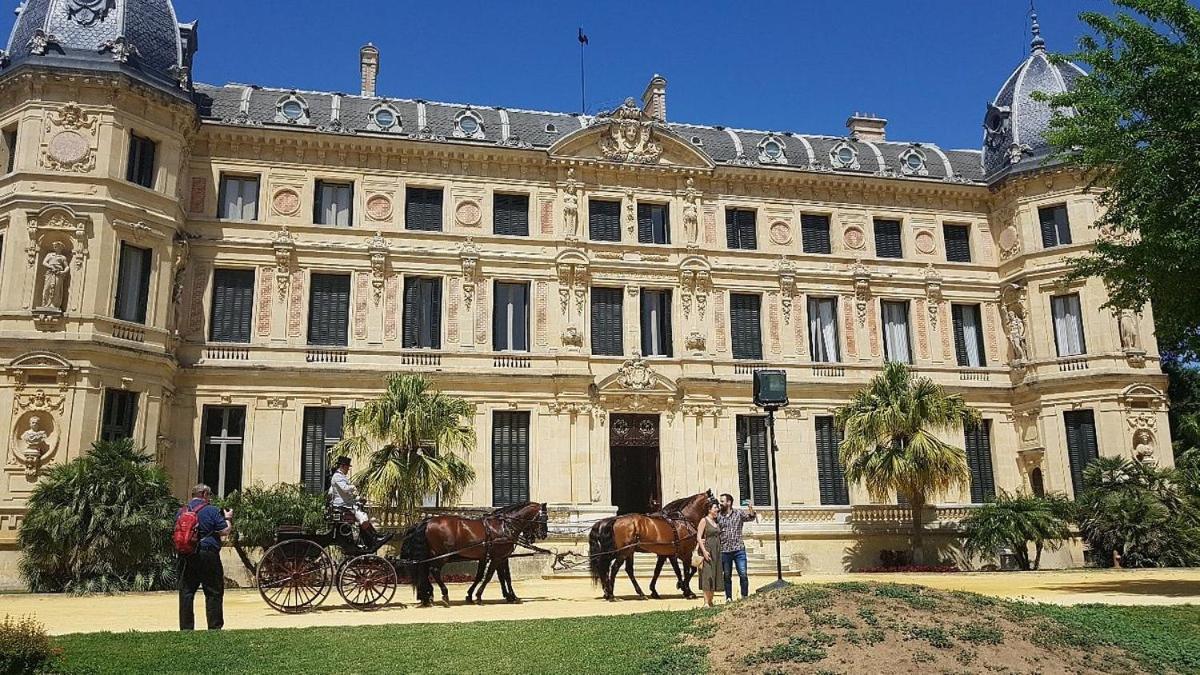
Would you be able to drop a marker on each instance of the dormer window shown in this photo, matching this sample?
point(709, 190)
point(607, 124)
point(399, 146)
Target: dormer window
point(551, 129)
point(912, 163)
point(468, 124)
point(771, 151)
point(844, 156)
point(696, 140)
point(291, 109)
point(384, 117)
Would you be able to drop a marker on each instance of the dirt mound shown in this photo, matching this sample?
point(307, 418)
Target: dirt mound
point(890, 628)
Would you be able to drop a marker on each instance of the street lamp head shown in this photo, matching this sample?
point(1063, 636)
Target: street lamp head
point(770, 389)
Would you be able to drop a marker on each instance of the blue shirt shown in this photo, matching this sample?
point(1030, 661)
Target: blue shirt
point(211, 521)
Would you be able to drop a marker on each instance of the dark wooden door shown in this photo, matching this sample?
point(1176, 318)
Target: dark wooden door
point(636, 476)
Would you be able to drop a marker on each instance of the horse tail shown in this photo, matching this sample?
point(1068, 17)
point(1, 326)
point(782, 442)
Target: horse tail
point(601, 548)
point(415, 552)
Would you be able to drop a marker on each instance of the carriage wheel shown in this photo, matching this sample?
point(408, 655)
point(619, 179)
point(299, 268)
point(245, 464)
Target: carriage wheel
point(367, 582)
point(295, 576)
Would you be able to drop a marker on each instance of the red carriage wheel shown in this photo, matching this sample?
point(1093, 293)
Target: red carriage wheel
point(367, 582)
point(295, 576)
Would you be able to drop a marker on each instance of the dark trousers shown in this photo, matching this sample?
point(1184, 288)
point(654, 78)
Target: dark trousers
point(201, 569)
point(728, 562)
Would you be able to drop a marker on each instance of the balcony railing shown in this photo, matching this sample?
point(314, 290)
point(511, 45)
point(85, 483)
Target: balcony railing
point(126, 332)
point(505, 361)
point(316, 355)
point(829, 371)
point(421, 359)
point(748, 368)
point(1072, 363)
point(973, 376)
point(226, 353)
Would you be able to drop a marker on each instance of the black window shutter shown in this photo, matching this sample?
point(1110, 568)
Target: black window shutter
point(958, 242)
point(743, 457)
point(435, 313)
point(313, 460)
point(329, 310)
point(1049, 231)
point(960, 339)
point(740, 229)
point(607, 307)
point(500, 318)
point(412, 312)
point(753, 436)
point(668, 343)
point(831, 478)
point(731, 232)
point(645, 224)
point(510, 457)
point(1082, 447)
point(814, 233)
point(510, 214)
point(232, 305)
point(604, 220)
point(745, 310)
point(143, 292)
point(423, 209)
point(887, 239)
point(978, 443)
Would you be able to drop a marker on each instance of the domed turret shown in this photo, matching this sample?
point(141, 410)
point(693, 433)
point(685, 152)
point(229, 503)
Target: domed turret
point(1014, 128)
point(140, 37)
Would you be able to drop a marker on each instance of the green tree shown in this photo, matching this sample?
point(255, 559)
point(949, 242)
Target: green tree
point(889, 442)
point(100, 523)
point(1134, 134)
point(1142, 512)
point(406, 444)
point(261, 510)
point(1016, 522)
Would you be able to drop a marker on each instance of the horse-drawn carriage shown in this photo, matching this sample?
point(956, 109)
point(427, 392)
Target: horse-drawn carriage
point(298, 572)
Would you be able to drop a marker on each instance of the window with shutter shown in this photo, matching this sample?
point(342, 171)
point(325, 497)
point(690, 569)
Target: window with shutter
point(604, 220)
point(978, 446)
point(656, 323)
point(897, 345)
point(510, 215)
point(654, 225)
point(968, 335)
point(422, 313)
point(322, 431)
point(329, 310)
point(1082, 446)
point(423, 209)
point(607, 323)
point(140, 169)
point(754, 477)
point(133, 283)
point(10, 149)
point(1056, 227)
point(741, 229)
point(510, 317)
point(887, 239)
point(831, 478)
point(232, 305)
point(510, 457)
point(745, 320)
point(238, 198)
point(120, 414)
point(333, 203)
point(1067, 315)
point(221, 450)
point(824, 344)
point(958, 242)
point(814, 233)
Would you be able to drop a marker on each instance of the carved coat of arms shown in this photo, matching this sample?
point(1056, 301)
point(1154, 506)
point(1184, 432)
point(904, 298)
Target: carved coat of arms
point(635, 374)
point(629, 137)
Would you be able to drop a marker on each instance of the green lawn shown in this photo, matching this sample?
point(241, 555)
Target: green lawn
point(1163, 638)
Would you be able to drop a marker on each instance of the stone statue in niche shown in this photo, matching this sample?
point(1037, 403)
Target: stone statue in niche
point(1143, 446)
point(571, 206)
point(34, 442)
point(55, 268)
point(1128, 324)
point(1016, 334)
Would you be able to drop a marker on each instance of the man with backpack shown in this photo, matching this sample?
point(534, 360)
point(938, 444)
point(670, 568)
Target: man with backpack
point(199, 527)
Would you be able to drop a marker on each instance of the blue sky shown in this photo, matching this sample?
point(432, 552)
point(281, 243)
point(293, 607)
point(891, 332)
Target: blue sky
point(929, 66)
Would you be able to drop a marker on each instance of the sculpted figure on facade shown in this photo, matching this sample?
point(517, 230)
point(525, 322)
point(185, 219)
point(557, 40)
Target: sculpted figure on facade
point(1012, 304)
point(55, 268)
point(691, 214)
point(34, 444)
point(1128, 324)
point(629, 137)
point(1143, 446)
point(571, 206)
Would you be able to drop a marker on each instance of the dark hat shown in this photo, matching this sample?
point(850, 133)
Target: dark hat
point(343, 460)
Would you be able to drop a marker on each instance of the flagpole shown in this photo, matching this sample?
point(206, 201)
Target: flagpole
point(582, 75)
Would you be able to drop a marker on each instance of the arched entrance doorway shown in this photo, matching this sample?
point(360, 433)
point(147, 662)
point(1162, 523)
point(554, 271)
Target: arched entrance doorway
point(636, 470)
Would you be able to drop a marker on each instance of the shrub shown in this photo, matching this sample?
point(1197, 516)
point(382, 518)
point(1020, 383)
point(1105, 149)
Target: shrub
point(1015, 522)
point(100, 523)
point(24, 646)
point(260, 511)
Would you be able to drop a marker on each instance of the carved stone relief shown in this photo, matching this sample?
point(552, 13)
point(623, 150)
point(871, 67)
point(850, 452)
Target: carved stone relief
point(468, 213)
point(70, 140)
point(570, 201)
point(933, 293)
point(787, 287)
point(862, 290)
point(379, 207)
point(1015, 307)
point(286, 202)
point(691, 209)
point(284, 247)
point(468, 255)
point(630, 136)
point(378, 248)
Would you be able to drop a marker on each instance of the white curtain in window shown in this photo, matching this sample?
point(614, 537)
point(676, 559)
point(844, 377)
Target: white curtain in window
point(895, 331)
point(822, 329)
point(335, 204)
point(971, 335)
point(241, 198)
point(129, 283)
point(1068, 324)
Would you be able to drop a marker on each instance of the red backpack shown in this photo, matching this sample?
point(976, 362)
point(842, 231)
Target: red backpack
point(187, 529)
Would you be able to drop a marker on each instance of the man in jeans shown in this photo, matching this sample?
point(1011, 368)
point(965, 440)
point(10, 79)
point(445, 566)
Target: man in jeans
point(733, 550)
point(203, 568)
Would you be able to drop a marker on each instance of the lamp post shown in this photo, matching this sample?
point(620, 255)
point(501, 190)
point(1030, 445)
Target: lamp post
point(770, 394)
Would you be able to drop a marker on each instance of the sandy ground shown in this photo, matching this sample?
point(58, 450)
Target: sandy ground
point(555, 598)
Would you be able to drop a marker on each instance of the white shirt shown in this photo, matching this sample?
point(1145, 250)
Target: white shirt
point(342, 491)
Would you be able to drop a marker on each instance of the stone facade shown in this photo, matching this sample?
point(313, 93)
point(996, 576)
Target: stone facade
point(68, 193)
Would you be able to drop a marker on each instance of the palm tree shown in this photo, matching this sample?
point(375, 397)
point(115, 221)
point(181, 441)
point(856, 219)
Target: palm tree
point(889, 443)
point(1015, 522)
point(407, 441)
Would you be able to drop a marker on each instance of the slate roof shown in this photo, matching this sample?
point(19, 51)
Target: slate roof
point(429, 120)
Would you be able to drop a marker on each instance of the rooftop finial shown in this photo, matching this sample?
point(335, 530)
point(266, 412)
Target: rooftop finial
point(1037, 42)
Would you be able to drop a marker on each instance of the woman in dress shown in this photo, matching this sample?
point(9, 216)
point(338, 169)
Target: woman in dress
point(709, 545)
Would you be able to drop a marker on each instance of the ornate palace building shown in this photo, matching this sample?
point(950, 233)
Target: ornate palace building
point(220, 271)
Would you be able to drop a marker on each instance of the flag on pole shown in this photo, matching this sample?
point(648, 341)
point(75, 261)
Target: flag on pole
point(583, 39)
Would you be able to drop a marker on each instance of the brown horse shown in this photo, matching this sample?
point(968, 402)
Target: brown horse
point(438, 540)
point(670, 534)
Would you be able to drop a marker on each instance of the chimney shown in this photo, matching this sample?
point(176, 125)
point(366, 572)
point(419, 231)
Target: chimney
point(654, 99)
point(867, 127)
point(369, 67)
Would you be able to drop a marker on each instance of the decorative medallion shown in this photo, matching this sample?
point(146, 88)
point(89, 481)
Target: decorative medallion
point(68, 148)
point(379, 207)
point(286, 202)
point(854, 238)
point(781, 233)
point(630, 135)
point(925, 242)
point(468, 213)
point(1010, 242)
point(88, 12)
